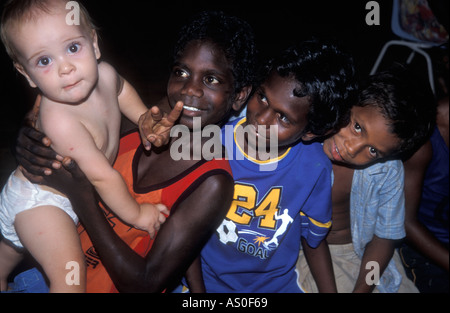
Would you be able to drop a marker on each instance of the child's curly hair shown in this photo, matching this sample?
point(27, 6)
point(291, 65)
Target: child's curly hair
point(326, 75)
point(232, 34)
point(409, 108)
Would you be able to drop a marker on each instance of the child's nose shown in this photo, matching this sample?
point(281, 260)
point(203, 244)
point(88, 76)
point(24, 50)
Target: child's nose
point(192, 88)
point(264, 116)
point(353, 146)
point(66, 67)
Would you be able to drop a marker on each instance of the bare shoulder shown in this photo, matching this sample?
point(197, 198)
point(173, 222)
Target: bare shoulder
point(108, 75)
point(55, 115)
point(214, 190)
point(211, 200)
point(106, 68)
point(219, 181)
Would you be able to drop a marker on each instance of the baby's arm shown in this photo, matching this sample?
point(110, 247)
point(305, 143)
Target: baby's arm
point(132, 107)
point(154, 125)
point(106, 180)
point(130, 103)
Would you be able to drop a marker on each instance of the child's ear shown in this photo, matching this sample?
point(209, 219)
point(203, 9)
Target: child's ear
point(22, 71)
point(97, 52)
point(308, 136)
point(242, 97)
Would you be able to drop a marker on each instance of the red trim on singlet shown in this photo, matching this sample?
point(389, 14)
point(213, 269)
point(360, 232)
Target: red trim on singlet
point(129, 142)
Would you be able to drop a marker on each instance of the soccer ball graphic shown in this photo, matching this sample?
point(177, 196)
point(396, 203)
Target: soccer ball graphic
point(227, 232)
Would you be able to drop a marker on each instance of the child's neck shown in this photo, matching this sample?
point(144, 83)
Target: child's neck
point(263, 153)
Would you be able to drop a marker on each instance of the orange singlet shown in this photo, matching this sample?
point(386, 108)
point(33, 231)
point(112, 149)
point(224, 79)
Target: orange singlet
point(98, 280)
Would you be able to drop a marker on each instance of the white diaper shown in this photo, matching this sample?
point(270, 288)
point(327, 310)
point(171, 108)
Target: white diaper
point(19, 195)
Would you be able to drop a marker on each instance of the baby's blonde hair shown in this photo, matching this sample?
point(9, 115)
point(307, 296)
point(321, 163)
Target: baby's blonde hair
point(21, 11)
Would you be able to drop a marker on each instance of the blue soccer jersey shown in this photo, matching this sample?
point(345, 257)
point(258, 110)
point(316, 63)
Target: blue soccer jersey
point(255, 249)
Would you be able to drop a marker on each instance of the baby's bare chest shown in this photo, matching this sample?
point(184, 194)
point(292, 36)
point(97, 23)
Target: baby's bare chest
point(102, 120)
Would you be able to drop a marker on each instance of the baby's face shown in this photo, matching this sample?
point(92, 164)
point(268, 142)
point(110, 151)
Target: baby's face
point(364, 140)
point(59, 59)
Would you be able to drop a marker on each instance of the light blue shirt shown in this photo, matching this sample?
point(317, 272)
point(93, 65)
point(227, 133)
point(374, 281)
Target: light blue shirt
point(377, 207)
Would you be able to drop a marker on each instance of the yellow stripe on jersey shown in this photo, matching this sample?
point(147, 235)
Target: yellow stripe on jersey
point(317, 223)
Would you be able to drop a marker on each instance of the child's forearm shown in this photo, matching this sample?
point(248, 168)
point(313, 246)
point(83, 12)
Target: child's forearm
point(424, 241)
point(114, 192)
point(380, 251)
point(194, 277)
point(320, 264)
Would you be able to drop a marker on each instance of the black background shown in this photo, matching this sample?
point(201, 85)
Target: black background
point(136, 37)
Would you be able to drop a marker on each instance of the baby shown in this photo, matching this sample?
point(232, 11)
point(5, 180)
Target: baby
point(80, 110)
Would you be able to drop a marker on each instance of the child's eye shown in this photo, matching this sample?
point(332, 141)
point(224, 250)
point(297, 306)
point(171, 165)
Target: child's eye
point(357, 128)
point(262, 97)
point(211, 80)
point(74, 48)
point(180, 73)
point(283, 118)
point(44, 61)
point(373, 152)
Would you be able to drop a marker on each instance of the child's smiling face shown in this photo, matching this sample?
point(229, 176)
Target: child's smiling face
point(364, 140)
point(202, 79)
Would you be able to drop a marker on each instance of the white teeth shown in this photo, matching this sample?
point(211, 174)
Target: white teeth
point(190, 108)
point(337, 151)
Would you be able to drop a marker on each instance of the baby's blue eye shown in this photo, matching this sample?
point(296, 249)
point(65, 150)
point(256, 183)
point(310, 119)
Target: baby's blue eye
point(44, 61)
point(74, 48)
